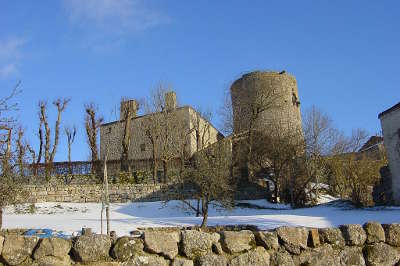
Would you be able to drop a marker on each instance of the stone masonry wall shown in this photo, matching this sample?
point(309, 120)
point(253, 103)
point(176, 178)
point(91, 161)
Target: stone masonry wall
point(371, 244)
point(93, 192)
point(122, 192)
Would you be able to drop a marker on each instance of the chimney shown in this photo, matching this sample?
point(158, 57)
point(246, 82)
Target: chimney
point(131, 105)
point(170, 100)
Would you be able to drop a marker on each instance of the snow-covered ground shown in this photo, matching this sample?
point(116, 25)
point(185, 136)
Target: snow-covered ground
point(125, 217)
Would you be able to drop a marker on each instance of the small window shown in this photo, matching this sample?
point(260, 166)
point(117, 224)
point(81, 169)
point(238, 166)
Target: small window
point(109, 130)
point(142, 147)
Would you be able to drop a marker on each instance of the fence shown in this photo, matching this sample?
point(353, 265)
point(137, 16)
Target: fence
point(79, 172)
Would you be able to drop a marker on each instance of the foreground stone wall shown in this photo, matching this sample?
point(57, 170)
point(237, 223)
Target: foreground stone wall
point(371, 244)
point(123, 192)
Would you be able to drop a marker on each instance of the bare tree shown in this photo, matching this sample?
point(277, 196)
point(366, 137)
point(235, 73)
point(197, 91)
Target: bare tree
point(225, 113)
point(250, 112)
point(21, 151)
point(161, 130)
point(37, 158)
point(92, 125)
point(105, 202)
point(168, 139)
point(153, 125)
point(7, 123)
point(128, 114)
point(70, 133)
point(320, 138)
point(6, 150)
point(49, 149)
point(274, 154)
point(210, 175)
point(61, 104)
point(9, 191)
point(201, 122)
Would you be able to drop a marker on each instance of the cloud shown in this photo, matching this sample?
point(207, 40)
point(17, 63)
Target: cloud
point(113, 17)
point(7, 70)
point(10, 55)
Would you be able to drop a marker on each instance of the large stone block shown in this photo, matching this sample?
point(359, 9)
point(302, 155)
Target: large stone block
point(332, 236)
point(294, 239)
point(53, 261)
point(182, 262)
point(354, 234)
point(352, 256)
point(212, 260)
point(145, 260)
point(163, 243)
point(375, 232)
point(91, 248)
point(256, 257)
point(381, 254)
point(195, 243)
point(392, 234)
point(281, 259)
point(237, 241)
point(324, 255)
point(126, 247)
point(55, 247)
point(313, 238)
point(17, 249)
point(267, 239)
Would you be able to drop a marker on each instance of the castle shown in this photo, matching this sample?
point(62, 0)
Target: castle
point(258, 100)
point(163, 135)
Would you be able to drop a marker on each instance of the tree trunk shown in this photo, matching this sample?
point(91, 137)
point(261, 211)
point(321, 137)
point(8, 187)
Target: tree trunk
point(205, 213)
point(69, 158)
point(126, 141)
point(198, 208)
point(154, 163)
point(1, 217)
point(101, 219)
point(165, 169)
point(108, 220)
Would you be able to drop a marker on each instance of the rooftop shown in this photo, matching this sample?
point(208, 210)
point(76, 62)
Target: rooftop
point(391, 109)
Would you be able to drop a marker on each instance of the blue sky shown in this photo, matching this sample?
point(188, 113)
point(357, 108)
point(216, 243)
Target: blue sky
point(344, 54)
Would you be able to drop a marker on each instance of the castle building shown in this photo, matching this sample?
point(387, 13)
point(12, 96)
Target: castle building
point(262, 98)
point(390, 122)
point(172, 130)
point(262, 101)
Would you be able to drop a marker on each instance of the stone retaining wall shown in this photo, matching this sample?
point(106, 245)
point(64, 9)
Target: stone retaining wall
point(371, 244)
point(93, 193)
point(122, 192)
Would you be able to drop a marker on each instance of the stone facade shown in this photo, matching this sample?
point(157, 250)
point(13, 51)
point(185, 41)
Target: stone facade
point(182, 121)
point(371, 244)
point(390, 122)
point(274, 95)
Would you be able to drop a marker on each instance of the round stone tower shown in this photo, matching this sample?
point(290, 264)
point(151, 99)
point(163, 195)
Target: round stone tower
point(262, 98)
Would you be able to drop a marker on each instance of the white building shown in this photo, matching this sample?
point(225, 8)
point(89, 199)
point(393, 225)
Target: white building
point(390, 122)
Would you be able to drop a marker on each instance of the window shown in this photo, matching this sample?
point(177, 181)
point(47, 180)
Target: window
point(142, 147)
point(109, 130)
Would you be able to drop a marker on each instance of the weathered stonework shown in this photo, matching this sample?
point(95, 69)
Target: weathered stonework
point(122, 193)
point(191, 247)
point(276, 90)
point(93, 192)
point(111, 134)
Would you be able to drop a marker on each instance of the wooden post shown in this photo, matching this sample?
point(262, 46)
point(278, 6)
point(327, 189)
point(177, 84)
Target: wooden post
point(106, 196)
